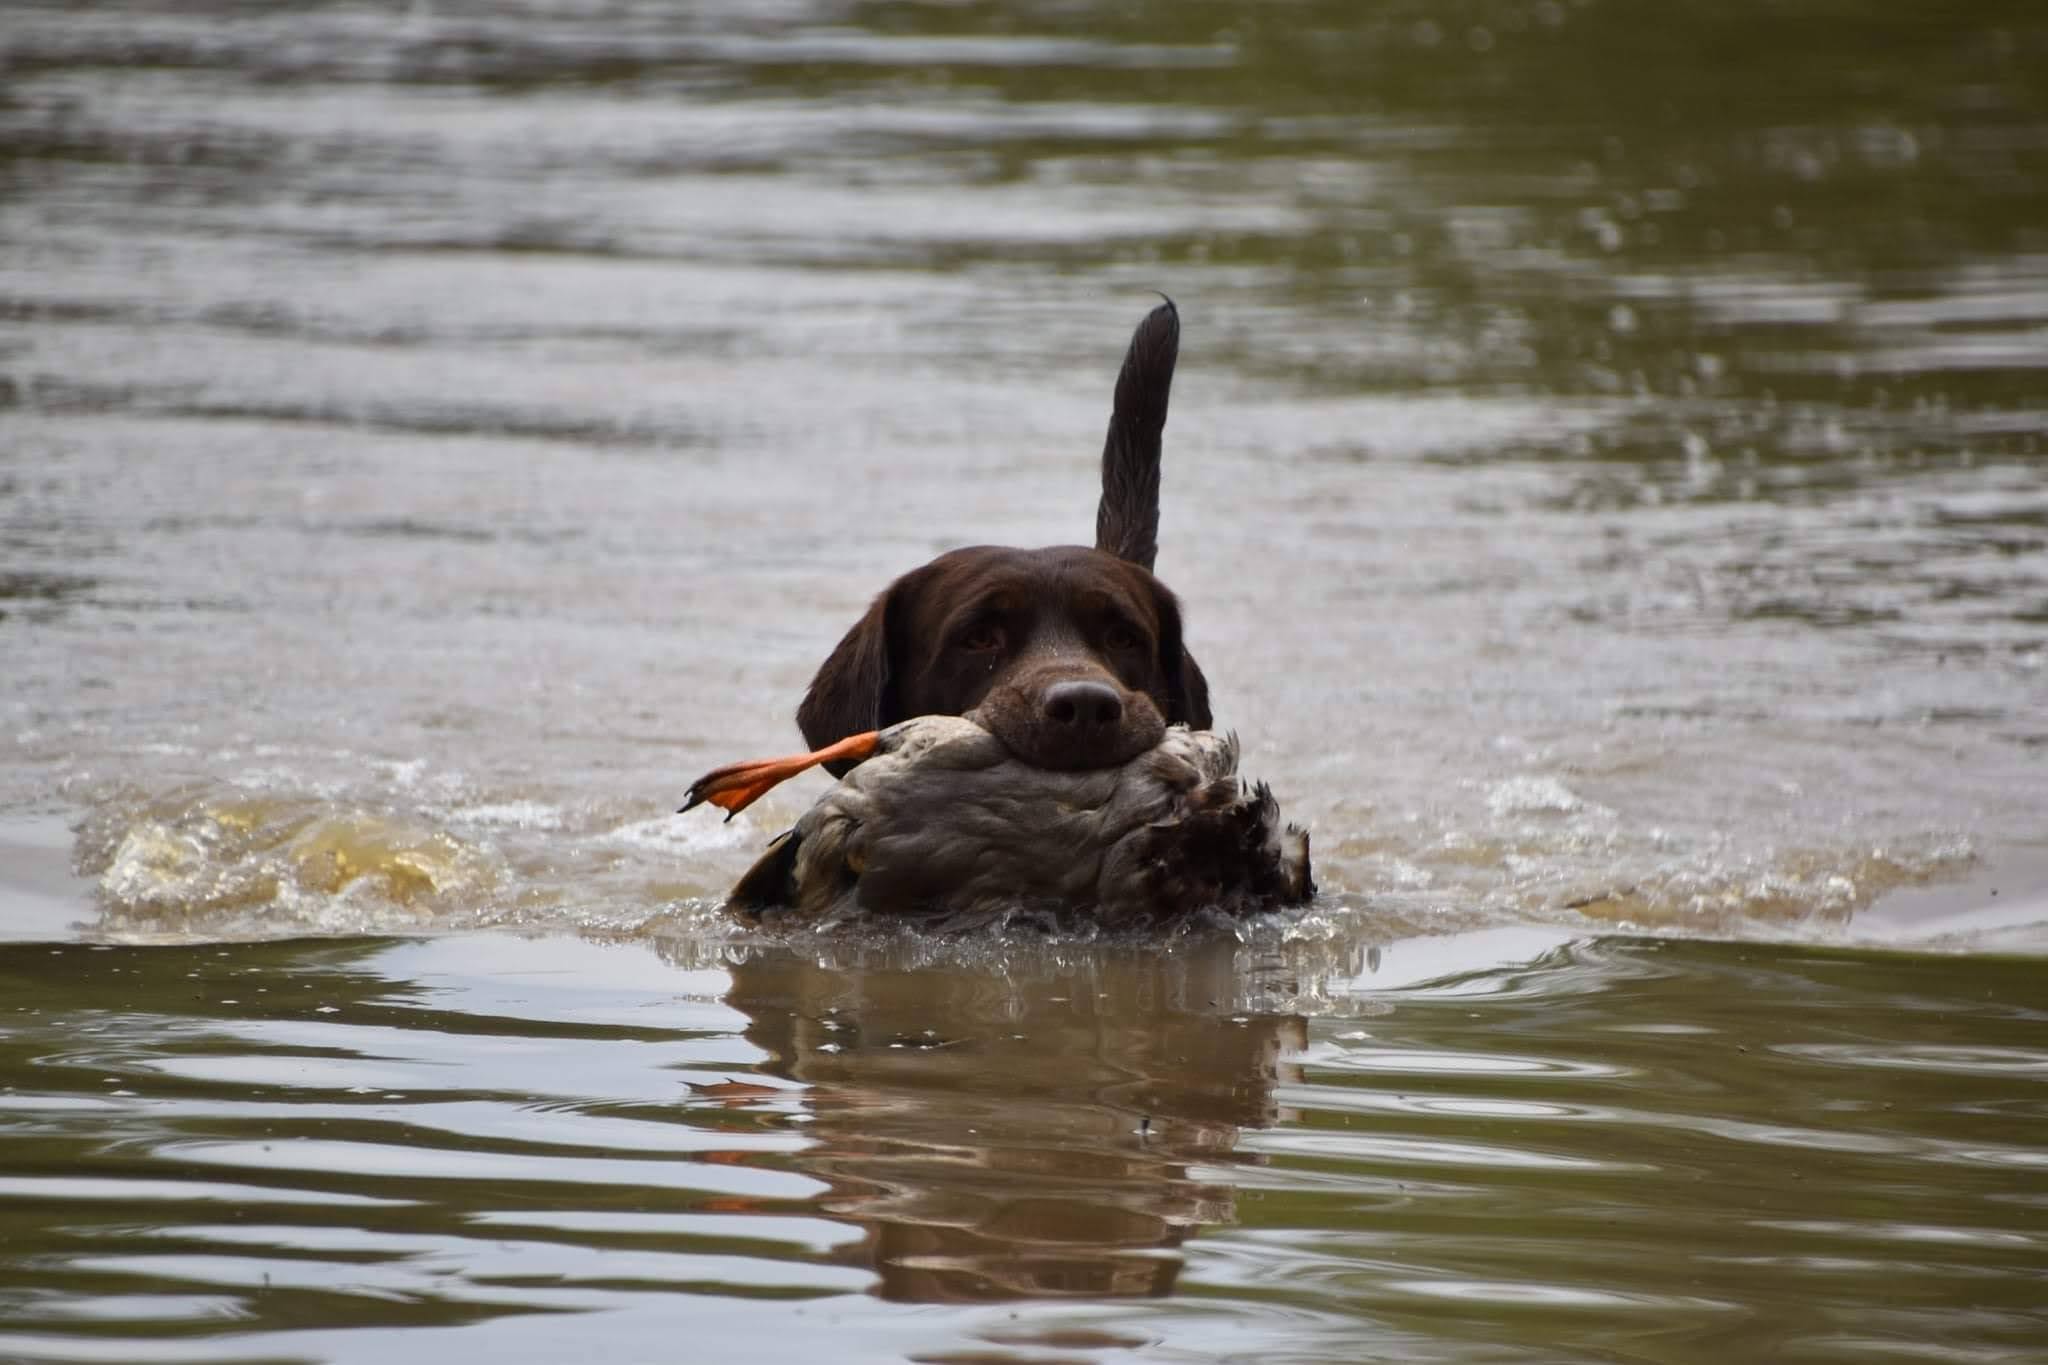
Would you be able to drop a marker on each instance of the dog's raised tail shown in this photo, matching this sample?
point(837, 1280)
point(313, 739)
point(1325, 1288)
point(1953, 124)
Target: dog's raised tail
point(1127, 518)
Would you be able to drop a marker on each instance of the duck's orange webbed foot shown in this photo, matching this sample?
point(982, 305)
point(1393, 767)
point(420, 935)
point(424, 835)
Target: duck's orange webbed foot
point(736, 786)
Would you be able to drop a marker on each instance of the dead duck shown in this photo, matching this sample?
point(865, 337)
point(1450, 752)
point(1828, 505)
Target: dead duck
point(940, 821)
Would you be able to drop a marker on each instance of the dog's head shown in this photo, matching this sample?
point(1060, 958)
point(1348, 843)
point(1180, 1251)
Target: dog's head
point(1071, 657)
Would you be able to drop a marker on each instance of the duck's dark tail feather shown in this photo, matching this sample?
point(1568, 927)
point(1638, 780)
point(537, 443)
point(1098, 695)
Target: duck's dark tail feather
point(1127, 518)
point(771, 882)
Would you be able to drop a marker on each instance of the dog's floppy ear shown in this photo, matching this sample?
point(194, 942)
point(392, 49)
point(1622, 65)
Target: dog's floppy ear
point(1190, 694)
point(855, 688)
point(1187, 691)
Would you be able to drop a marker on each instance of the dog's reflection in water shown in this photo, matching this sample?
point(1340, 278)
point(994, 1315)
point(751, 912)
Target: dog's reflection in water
point(1004, 1133)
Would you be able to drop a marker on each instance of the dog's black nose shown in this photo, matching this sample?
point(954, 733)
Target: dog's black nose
point(1083, 707)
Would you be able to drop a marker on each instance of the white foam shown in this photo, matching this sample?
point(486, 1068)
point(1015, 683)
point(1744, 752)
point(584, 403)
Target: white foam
point(514, 814)
point(1533, 796)
point(670, 834)
point(405, 774)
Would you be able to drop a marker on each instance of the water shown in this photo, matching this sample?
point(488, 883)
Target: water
point(539, 1150)
point(1605, 479)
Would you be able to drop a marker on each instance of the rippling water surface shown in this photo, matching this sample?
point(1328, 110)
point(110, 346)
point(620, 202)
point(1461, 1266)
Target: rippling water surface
point(1606, 481)
point(540, 1150)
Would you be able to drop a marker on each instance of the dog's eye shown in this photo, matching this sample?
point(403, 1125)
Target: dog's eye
point(1121, 636)
point(982, 638)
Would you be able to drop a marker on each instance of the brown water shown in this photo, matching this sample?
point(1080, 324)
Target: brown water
point(1606, 480)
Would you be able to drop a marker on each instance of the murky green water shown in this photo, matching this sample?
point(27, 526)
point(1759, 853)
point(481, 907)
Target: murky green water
point(531, 1150)
point(1606, 481)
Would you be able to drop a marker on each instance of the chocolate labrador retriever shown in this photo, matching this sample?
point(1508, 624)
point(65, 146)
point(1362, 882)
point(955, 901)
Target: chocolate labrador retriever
point(1074, 656)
